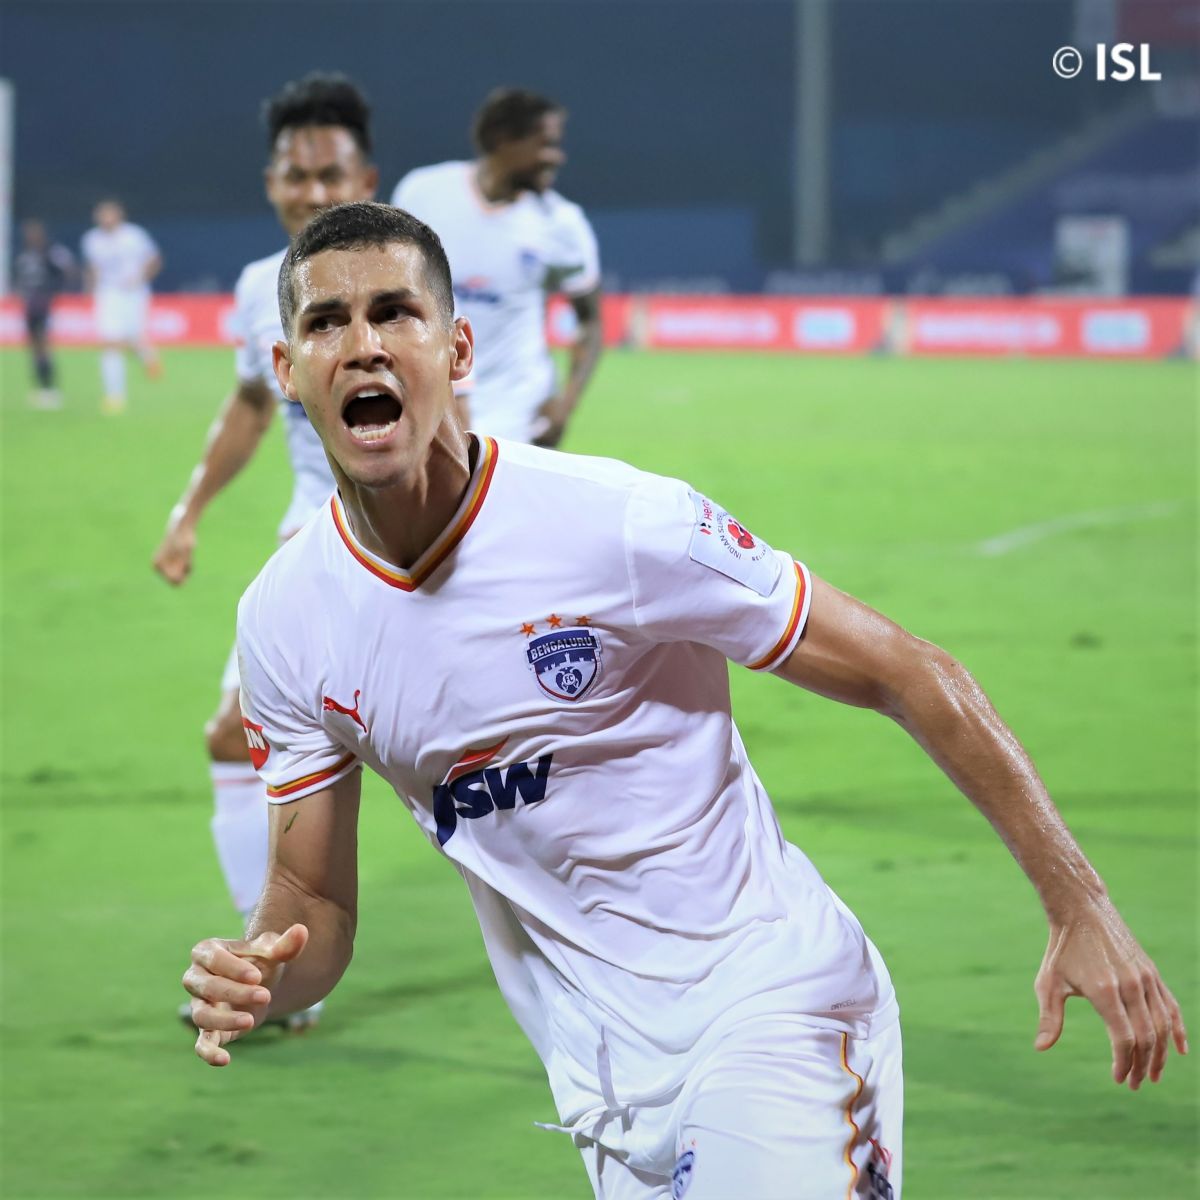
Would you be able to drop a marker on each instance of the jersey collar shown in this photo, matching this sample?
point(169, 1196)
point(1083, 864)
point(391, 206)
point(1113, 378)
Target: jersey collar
point(447, 540)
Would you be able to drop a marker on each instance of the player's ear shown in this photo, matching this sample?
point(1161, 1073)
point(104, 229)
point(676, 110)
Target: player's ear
point(462, 349)
point(370, 180)
point(281, 361)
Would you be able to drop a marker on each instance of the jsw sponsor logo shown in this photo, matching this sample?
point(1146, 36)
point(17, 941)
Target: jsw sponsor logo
point(478, 793)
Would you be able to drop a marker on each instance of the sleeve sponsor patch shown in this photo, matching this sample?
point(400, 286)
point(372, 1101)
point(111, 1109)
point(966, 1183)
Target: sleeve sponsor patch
point(725, 545)
point(260, 751)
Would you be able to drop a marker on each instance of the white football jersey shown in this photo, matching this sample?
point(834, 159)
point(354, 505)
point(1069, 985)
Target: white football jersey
point(546, 690)
point(257, 328)
point(118, 257)
point(504, 259)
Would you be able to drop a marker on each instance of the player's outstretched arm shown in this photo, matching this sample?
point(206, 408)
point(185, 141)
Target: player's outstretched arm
point(300, 937)
point(852, 654)
point(232, 442)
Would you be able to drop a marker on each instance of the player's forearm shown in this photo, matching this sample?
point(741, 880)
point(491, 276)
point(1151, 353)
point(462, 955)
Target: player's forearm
point(331, 929)
point(232, 443)
point(584, 354)
point(948, 714)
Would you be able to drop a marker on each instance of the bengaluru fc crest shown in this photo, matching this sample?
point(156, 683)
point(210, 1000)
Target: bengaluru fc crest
point(565, 663)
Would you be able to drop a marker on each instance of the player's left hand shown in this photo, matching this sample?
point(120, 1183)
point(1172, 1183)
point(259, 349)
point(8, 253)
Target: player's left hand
point(1094, 955)
point(551, 422)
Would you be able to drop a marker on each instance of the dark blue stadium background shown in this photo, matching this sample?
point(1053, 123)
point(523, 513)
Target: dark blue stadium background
point(680, 136)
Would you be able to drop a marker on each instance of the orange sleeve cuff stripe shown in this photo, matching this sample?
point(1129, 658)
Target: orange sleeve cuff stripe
point(793, 621)
point(306, 781)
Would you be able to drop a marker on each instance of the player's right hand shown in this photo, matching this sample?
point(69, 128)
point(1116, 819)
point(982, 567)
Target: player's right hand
point(230, 982)
point(1093, 954)
point(173, 558)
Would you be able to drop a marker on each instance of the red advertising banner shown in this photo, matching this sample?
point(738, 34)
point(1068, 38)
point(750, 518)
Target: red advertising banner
point(1129, 328)
point(614, 318)
point(816, 325)
point(1113, 329)
point(175, 320)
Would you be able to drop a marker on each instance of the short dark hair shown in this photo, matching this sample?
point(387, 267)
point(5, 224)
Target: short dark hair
point(508, 114)
point(357, 227)
point(319, 99)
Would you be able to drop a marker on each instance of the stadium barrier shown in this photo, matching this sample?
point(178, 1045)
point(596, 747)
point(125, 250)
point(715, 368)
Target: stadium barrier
point(1130, 328)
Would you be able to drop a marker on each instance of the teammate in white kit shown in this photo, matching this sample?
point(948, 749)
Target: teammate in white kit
point(120, 259)
point(530, 647)
point(511, 239)
point(319, 137)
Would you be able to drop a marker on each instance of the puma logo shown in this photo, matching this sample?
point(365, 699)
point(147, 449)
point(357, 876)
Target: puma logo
point(331, 705)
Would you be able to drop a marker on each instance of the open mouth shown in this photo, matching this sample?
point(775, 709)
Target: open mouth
point(371, 416)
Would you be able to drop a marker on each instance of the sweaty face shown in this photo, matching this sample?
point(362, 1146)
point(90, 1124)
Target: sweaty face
point(532, 163)
point(313, 169)
point(372, 357)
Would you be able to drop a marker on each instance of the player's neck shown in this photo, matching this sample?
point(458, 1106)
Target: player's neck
point(400, 522)
point(494, 185)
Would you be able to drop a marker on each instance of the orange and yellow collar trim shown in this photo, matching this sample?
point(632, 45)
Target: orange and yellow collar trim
point(408, 581)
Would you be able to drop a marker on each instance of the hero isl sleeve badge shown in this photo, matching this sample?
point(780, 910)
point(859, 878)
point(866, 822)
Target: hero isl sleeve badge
point(566, 661)
point(720, 542)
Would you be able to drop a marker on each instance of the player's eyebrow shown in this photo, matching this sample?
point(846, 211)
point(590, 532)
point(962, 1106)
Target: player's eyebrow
point(317, 308)
point(337, 304)
point(395, 296)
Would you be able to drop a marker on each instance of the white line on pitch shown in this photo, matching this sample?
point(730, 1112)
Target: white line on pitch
point(1017, 539)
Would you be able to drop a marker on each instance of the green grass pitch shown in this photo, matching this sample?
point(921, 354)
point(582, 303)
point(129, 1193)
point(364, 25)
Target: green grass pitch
point(887, 477)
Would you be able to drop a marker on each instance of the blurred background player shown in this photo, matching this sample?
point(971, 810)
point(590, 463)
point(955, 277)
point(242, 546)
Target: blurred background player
point(511, 240)
point(120, 260)
point(318, 131)
point(42, 269)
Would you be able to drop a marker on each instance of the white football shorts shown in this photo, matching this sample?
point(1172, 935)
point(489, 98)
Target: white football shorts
point(121, 315)
point(780, 1110)
point(508, 408)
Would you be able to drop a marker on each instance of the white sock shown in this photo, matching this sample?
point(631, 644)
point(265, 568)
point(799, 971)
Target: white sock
point(112, 372)
point(239, 828)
